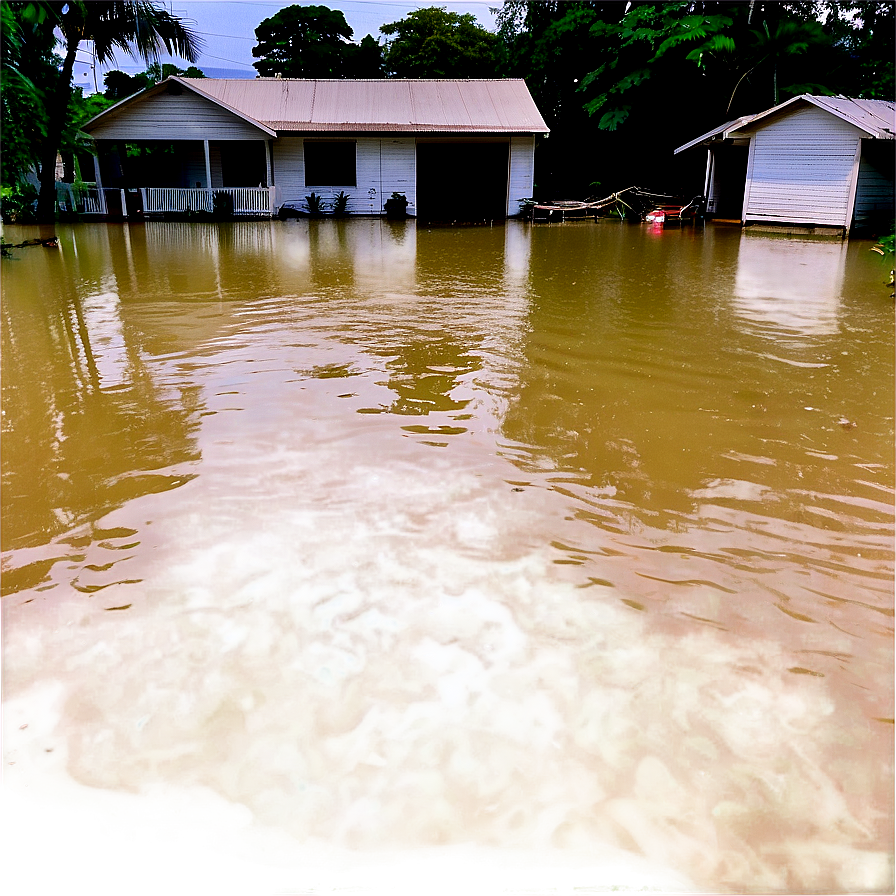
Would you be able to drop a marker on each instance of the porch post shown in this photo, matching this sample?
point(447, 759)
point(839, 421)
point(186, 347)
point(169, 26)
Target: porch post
point(707, 184)
point(208, 165)
point(269, 172)
point(101, 196)
point(208, 172)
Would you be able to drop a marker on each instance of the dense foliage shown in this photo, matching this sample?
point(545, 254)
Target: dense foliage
point(45, 89)
point(621, 85)
point(434, 43)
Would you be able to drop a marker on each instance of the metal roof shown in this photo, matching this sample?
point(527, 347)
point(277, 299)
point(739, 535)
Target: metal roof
point(434, 106)
point(877, 118)
point(715, 134)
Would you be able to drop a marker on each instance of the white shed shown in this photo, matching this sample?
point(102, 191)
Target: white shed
point(455, 148)
point(814, 160)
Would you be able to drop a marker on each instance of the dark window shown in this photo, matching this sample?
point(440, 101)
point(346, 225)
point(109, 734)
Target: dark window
point(330, 163)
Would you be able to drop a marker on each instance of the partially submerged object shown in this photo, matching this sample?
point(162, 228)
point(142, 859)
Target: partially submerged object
point(50, 242)
point(632, 202)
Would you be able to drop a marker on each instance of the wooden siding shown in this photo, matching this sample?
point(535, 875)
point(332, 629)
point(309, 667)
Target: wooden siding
point(521, 177)
point(801, 169)
point(168, 117)
point(874, 193)
point(382, 166)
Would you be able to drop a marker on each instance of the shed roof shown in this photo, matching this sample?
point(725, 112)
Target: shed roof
point(415, 106)
point(877, 118)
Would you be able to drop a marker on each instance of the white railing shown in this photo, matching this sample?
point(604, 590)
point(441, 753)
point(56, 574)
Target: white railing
point(87, 199)
point(246, 200)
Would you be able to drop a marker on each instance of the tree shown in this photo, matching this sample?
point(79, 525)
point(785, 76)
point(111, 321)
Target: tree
point(302, 42)
point(120, 85)
point(365, 60)
point(434, 43)
point(137, 27)
point(27, 74)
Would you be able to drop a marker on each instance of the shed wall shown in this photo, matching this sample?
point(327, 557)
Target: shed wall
point(874, 193)
point(168, 117)
point(521, 179)
point(382, 166)
point(801, 169)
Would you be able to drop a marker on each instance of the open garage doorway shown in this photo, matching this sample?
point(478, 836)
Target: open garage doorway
point(729, 181)
point(462, 181)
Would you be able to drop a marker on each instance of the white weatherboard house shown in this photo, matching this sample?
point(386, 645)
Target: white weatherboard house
point(457, 149)
point(814, 160)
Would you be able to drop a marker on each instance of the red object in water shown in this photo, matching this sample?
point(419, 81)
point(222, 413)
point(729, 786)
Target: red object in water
point(657, 216)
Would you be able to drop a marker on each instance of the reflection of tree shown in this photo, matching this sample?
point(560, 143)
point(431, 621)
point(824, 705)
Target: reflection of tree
point(424, 371)
point(72, 449)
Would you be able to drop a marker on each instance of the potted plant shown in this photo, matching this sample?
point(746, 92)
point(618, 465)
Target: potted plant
point(340, 204)
point(315, 205)
point(396, 206)
point(222, 205)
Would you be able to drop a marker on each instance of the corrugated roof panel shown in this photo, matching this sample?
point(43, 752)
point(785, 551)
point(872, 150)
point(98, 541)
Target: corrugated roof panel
point(871, 115)
point(439, 103)
point(380, 105)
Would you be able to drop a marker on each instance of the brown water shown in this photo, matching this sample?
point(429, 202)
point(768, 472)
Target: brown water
point(568, 546)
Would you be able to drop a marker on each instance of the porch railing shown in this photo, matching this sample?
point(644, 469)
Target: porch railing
point(87, 199)
point(246, 200)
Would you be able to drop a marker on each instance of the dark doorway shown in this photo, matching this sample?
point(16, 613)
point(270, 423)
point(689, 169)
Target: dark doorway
point(243, 164)
point(729, 181)
point(462, 181)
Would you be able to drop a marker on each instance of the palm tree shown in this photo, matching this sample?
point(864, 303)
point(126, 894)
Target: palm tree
point(138, 27)
point(790, 37)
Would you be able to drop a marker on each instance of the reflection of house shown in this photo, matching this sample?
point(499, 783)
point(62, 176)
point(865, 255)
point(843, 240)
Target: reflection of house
point(456, 148)
point(815, 160)
point(791, 286)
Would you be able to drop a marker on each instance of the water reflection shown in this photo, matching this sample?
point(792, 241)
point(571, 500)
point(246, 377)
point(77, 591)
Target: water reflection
point(424, 374)
point(87, 426)
point(790, 285)
point(520, 536)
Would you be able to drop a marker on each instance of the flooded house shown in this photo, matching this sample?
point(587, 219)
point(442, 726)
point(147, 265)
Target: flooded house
point(824, 162)
point(454, 149)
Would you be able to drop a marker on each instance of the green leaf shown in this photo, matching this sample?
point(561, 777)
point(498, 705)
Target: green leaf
point(612, 119)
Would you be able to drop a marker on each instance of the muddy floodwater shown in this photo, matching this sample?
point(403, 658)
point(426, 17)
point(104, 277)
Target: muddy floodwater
point(353, 556)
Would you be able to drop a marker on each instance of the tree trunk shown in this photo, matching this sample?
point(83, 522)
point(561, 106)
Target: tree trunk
point(58, 112)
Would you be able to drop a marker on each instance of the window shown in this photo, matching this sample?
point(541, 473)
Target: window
point(330, 163)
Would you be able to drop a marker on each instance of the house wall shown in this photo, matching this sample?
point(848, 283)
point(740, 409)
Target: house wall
point(521, 177)
point(383, 166)
point(168, 117)
point(802, 169)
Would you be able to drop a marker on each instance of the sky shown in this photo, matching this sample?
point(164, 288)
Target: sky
point(228, 28)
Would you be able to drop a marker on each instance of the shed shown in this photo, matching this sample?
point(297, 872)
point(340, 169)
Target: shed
point(457, 149)
point(813, 160)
